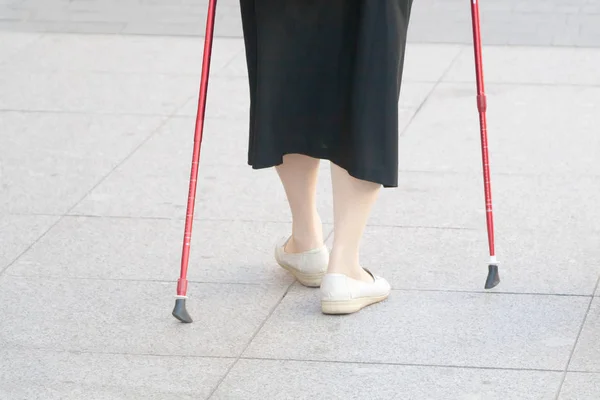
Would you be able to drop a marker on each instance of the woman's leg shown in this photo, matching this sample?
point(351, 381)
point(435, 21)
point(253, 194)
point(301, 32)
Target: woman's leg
point(352, 203)
point(347, 287)
point(298, 174)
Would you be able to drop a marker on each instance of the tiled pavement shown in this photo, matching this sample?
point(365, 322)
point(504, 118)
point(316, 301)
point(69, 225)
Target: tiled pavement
point(515, 22)
point(95, 136)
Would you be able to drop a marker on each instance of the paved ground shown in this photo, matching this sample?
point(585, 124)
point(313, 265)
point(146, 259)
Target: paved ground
point(95, 136)
point(519, 22)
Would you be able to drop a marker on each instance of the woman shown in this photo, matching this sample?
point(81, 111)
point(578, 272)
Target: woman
point(324, 84)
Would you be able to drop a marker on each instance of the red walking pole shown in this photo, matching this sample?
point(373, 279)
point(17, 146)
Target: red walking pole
point(493, 278)
point(180, 311)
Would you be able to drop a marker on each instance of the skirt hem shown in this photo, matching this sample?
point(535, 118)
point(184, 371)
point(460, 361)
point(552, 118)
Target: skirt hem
point(365, 174)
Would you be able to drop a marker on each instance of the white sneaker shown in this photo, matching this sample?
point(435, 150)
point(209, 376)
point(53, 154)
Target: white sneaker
point(308, 267)
point(343, 295)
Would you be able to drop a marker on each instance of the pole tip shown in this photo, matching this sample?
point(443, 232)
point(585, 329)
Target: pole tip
point(493, 278)
point(180, 312)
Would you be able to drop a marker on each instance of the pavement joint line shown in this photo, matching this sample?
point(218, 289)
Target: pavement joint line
point(329, 235)
point(584, 372)
point(400, 364)
point(582, 326)
point(112, 35)
point(501, 173)
point(11, 263)
point(118, 72)
point(232, 59)
point(256, 332)
point(444, 82)
point(430, 93)
point(113, 353)
point(204, 219)
point(239, 36)
point(341, 362)
point(126, 114)
point(494, 293)
point(165, 281)
point(274, 284)
point(264, 221)
point(597, 285)
point(117, 165)
point(236, 37)
point(257, 221)
point(90, 113)
point(491, 82)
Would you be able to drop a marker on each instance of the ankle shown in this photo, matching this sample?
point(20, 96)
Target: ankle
point(356, 273)
point(306, 236)
point(304, 243)
point(349, 266)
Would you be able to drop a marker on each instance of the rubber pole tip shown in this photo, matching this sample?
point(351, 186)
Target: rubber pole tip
point(180, 312)
point(493, 278)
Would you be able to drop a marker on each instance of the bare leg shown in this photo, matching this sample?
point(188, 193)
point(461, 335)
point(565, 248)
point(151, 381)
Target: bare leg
point(353, 200)
point(298, 174)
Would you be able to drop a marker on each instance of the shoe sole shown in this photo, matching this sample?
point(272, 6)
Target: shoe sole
point(308, 280)
point(340, 307)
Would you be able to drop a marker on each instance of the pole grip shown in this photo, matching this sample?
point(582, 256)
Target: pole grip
point(182, 285)
point(482, 103)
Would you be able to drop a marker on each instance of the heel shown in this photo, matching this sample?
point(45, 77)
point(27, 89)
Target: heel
point(343, 307)
point(343, 295)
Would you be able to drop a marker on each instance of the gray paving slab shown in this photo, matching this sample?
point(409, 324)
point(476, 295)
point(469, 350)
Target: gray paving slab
point(236, 103)
point(522, 64)
point(233, 105)
point(14, 43)
point(580, 386)
point(443, 329)
point(414, 94)
point(586, 357)
point(225, 140)
point(224, 192)
point(224, 143)
point(549, 23)
point(230, 192)
point(94, 92)
point(429, 62)
point(129, 54)
point(235, 199)
point(423, 62)
point(271, 379)
point(86, 310)
point(547, 130)
point(228, 23)
point(37, 374)
point(451, 259)
point(457, 201)
point(131, 317)
point(67, 154)
point(146, 249)
point(18, 232)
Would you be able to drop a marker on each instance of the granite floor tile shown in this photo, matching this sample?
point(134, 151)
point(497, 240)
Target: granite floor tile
point(67, 155)
point(428, 328)
point(451, 259)
point(271, 379)
point(131, 317)
point(18, 232)
point(37, 374)
point(580, 386)
point(586, 357)
point(150, 249)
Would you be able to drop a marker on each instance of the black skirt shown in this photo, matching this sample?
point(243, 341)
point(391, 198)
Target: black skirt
point(325, 79)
